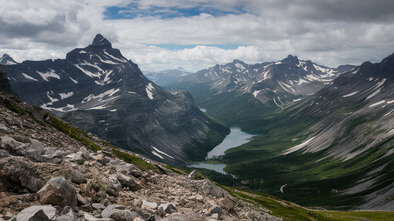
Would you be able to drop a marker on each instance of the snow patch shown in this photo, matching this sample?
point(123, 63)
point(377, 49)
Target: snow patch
point(377, 103)
point(159, 151)
point(298, 147)
point(48, 74)
point(28, 77)
point(240, 66)
point(351, 94)
point(109, 93)
point(373, 94)
point(65, 95)
point(158, 155)
point(256, 92)
point(148, 90)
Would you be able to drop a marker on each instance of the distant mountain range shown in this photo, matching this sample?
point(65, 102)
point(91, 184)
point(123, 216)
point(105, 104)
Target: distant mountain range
point(225, 90)
point(166, 77)
point(97, 89)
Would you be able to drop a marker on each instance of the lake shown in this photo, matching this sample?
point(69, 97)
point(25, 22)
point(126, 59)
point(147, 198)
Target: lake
point(236, 138)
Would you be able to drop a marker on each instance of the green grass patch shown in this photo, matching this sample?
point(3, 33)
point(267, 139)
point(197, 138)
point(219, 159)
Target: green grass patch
point(13, 107)
point(75, 133)
point(129, 158)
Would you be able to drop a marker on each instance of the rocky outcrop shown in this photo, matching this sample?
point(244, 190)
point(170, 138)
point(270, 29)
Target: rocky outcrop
point(58, 191)
point(47, 175)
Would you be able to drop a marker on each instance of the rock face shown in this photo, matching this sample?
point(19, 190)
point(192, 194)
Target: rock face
point(100, 91)
point(98, 186)
point(58, 191)
point(4, 82)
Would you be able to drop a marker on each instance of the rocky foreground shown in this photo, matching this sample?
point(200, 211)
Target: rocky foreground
point(46, 174)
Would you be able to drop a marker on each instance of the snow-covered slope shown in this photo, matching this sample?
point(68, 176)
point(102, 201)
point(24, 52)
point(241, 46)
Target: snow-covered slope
point(99, 90)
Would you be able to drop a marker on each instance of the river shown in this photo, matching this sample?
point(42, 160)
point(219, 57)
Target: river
point(236, 138)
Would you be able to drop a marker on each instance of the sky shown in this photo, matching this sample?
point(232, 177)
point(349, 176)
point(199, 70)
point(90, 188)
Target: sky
point(197, 34)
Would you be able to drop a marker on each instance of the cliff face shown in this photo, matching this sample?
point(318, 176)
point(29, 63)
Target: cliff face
point(50, 170)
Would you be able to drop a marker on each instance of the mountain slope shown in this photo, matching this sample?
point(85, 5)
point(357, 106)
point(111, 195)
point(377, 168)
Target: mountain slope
point(100, 91)
point(264, 87)
point(333, 149)
point(4, 82)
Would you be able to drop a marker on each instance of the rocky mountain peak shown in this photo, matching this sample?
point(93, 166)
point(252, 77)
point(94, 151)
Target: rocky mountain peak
point(100, 41)
point(7, 60)
point(290, 59)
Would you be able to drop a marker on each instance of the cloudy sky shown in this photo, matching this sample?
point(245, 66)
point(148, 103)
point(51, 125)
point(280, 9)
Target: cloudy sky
point(196, 34)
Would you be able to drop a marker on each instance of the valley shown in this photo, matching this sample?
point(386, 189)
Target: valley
point(331, 149)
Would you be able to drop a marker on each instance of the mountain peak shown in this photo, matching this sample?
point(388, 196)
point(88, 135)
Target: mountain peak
point(100, 41)
point(290, 59)
point(7, 60)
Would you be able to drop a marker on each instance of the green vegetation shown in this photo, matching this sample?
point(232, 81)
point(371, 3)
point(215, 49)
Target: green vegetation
point(290, 211)
point(75, 133)
point(13, 107)
point(129, 158)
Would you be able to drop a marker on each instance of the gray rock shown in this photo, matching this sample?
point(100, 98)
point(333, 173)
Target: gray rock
point(35, 150)
point(19, 172)
point(168, 208)
point(39, 216)
point(47, 210)
point(67, 214)
point(81, 200)
point(216, 209)
point(192, 175)
point(76, 176)
point(119, 213)
point(88, 217)
point(58, 191)
point(148, 205)
point(98, 206)
point(128, 182)
point(76, 157)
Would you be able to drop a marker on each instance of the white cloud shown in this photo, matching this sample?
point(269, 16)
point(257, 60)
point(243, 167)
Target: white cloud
point(329, 32)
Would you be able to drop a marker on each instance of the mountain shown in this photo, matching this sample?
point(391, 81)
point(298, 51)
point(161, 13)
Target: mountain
point(167, 77)
point(332, 149)
point(262, 88)
point(7, 60)
point(97, 89)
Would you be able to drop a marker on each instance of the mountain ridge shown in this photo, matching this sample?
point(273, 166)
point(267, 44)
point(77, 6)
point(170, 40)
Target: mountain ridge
point(99, 90)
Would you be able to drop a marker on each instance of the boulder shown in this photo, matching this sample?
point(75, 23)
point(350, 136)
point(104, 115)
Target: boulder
point(76, 176)
point(58, 191)
point(148, 205)
point(128, 182)
point(19, 172)
point(45, 212)
point(119, 213)
point(168, 208)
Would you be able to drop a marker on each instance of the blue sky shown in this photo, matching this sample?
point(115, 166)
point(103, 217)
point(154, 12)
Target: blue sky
point(196, 34)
